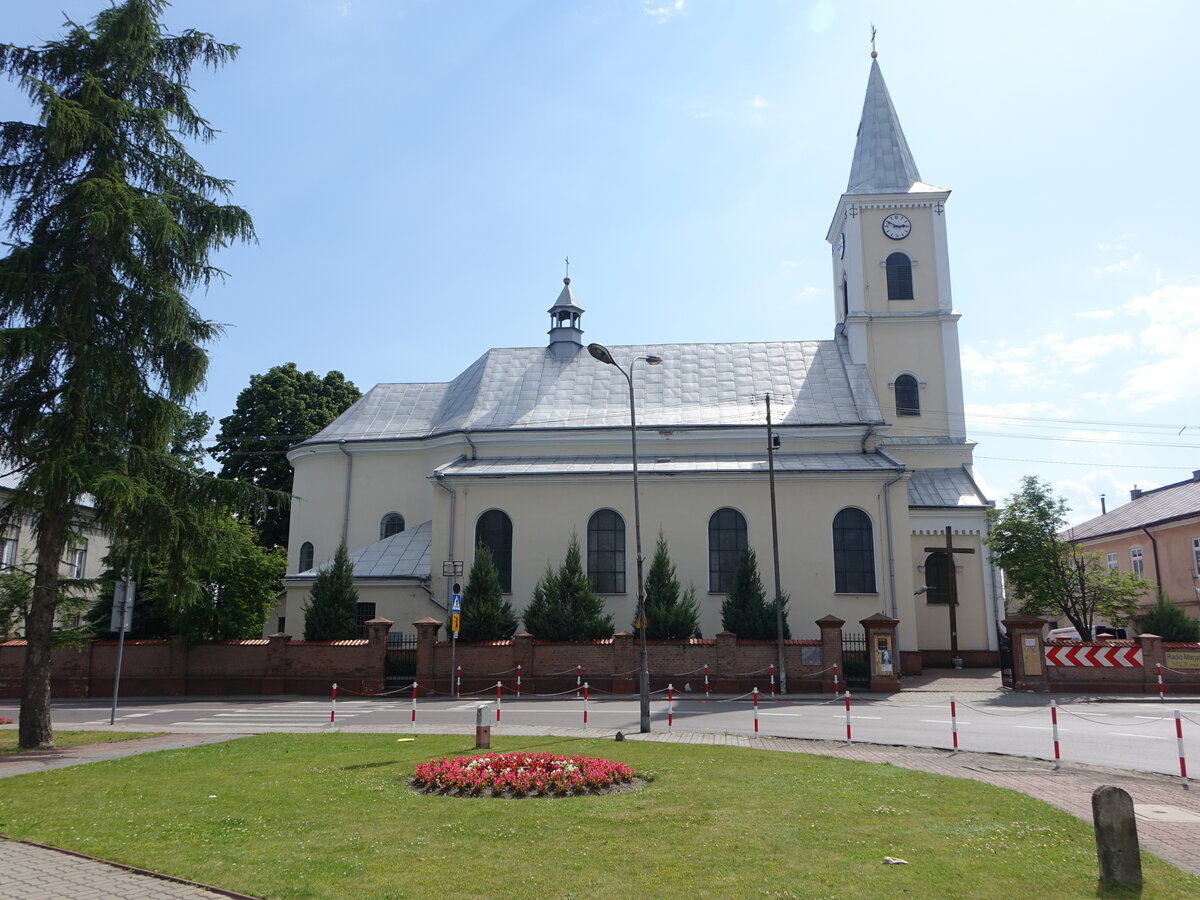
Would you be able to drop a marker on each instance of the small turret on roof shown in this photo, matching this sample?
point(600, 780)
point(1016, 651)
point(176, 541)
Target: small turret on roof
point(566, 333)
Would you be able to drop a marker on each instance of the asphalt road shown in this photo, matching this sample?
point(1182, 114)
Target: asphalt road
point(1136, 734)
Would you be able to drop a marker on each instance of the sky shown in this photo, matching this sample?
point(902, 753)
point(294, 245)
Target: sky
point(419, 170)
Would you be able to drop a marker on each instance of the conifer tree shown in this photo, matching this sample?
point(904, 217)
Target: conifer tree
point(746, 611)
point(1170, 622)
point(486, 615)
point(669, 616)
point(331, 611)
point(564, 605)
point(110, 223)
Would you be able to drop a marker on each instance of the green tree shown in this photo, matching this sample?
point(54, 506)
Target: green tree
point(1170, 622)
point(746, 611)
point(486, 615)
point(330, 613)
point(1049, 576)
point(669, 616)
point(110, 223)
point(238, 583)
point(564, 607)
point(16, 595)
point(278, 409)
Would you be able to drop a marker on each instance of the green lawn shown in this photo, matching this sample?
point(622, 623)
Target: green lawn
point(329, 816)
point(8, 738)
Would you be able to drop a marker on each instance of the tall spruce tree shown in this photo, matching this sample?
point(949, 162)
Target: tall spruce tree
point(564, 607)
point(486, 615)
point(331, 611)
point(670, 616)
point(746, 611)
point(110, 223)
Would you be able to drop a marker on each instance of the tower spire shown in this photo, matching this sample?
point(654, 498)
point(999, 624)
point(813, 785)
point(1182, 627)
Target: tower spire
point(882, 164)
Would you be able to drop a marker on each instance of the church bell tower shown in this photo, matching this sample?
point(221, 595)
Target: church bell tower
point(891, 276)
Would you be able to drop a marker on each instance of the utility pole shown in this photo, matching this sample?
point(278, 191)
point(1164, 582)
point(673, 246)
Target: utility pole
point(771, 444)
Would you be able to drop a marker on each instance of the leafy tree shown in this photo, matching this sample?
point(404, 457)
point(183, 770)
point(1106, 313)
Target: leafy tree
point(110, 223)
point(746, 611)
point(669, 616)
point(238, 583)
point(16, 595)
point(278, 409)
point(330, 614)
point(1170, 622)
point(564, 607)
point(1048, 576)
point(486, 615)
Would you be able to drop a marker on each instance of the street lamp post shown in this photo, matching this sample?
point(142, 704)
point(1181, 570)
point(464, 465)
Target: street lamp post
point(600, 352)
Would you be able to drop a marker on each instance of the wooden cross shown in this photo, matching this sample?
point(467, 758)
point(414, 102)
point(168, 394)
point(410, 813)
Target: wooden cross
point(952, 578)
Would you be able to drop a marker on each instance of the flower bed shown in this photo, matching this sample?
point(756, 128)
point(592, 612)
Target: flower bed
point(521, 774)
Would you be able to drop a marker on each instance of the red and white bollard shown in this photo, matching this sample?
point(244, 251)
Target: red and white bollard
point(670, 705)
point(414, 703)
point(585, 698)
point(954, 722)
point(333, 704)
point(706, 681)
point(849, 734)
point(1161, 698)
point(518, 679)
point(772, 681)
point(458, 683)
point(1182, 757)
point(836, 689)
point(497, 701)
point(578, 679)
point(1054, 728)
point(756, 710)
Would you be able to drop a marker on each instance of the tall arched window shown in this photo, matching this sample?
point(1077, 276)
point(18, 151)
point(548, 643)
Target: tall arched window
point(494, 530)
point(937, 578)
point(899, 277)
point(908, 400)
point(726, 540)
point(853, 553)
point(606, 551)
point(306, 556)
point(392, 523)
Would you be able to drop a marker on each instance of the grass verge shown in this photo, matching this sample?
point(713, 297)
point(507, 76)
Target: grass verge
point(330, 816)
point(8, 738)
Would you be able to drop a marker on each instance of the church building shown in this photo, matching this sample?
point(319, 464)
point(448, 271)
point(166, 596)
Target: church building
point(530, 445)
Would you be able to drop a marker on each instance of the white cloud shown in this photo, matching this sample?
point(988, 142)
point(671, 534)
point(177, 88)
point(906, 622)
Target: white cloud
point(663, 12)
point(1123, 265)
point(758, 102)
point(1081, 354)
point(1172, 334)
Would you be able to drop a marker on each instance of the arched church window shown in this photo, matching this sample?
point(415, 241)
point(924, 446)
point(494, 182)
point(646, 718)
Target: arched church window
point(937, 578)
point(726, 540)
point(306, 557)
point(845, 297)
point(495, 531)
point(853, 552)
point(899, 277)
point(908, 400)
point(392, 523)
point(606, 551)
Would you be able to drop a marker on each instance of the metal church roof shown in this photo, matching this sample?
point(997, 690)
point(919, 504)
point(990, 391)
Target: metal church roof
point(944, 488)
point(811, 383)
point(401, 555)
point(677, 464)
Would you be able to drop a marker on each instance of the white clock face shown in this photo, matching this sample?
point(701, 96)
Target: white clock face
point(842, 245)
point(897, 226)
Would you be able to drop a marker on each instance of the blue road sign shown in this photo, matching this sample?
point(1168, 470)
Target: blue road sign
point(456, 603)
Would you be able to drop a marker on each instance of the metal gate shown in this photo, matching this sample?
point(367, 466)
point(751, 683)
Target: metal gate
point(856, 666)
point(1006, 665)
point(401, 664)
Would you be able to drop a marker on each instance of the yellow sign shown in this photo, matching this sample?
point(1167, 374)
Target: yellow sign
point(1183, 659)
point(454, 620)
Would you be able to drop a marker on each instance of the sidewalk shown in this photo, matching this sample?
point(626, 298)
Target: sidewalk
point(1168, 815)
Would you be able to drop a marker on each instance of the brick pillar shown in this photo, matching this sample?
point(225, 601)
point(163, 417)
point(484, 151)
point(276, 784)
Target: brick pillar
point(1153, 654)
point(522, 646)
point(377, 644)
point(274, 678)
point(882, 658)
point(831, 653)
point(624, 661)
point(427, 629)
point(1030, 672)
point(724, 680)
